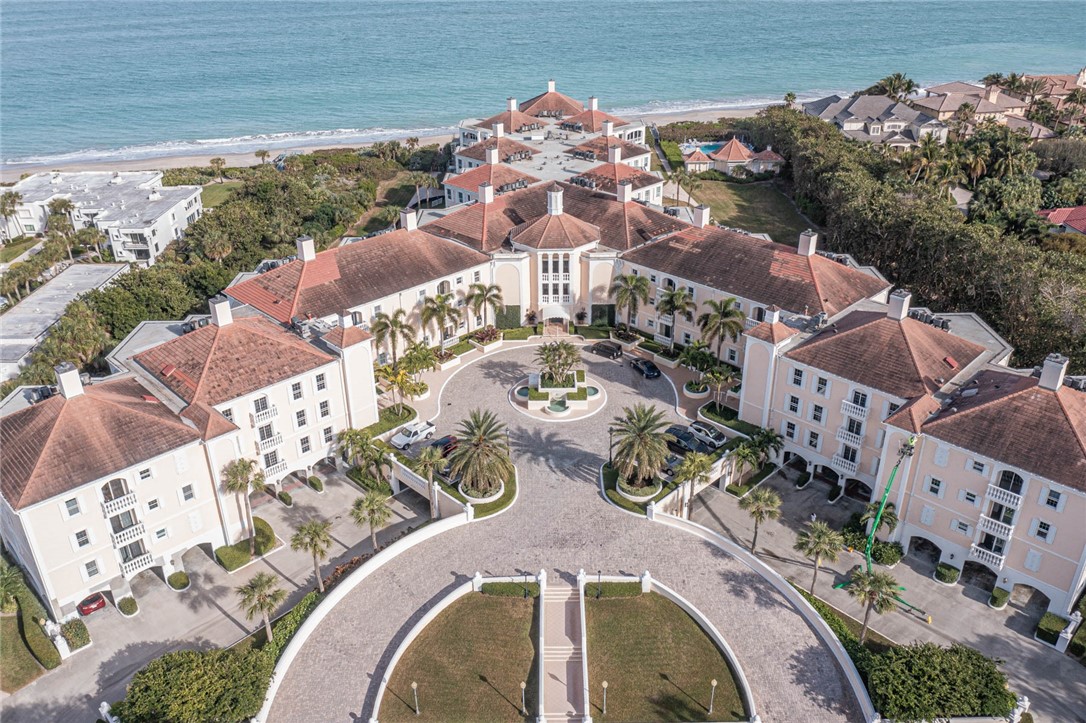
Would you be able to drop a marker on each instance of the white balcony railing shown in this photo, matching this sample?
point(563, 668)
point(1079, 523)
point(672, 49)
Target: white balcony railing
point(853, 410)
point(137, 564)
point(263, 445)
point(665, 319)
point(661, 339)
point(997, 528)
point(841, 464)
point(1004, 497)
point(749, 323)
point(565, 277)
point(128, 534)
point(119, 504)
point(268, 414)
point(988, 557)
point(843, 435)
point(275, 469)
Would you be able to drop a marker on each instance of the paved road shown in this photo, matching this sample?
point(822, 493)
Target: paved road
point(560, 523)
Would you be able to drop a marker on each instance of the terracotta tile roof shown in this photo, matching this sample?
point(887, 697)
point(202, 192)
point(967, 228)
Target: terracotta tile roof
point(768, 155)
point(342, 338)
point(622, 226)
point(733, 152)
point(697, 157)
point(551, 102)
point(506, 147)
point(1074, 217)
point(497, 175)
point(773, 333)
point(600, 145)
point(759, 270)
point(913, 413)
point(345, 277)
point(208, 420)
point(214, 364)
point(608, 175)
point(905, 358)
point(512, 120)
point(1014, 420)
point(592, 120)
point(59, 444)
point(555, 231)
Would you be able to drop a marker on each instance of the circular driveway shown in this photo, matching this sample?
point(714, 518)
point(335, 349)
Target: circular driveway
point(561, 523)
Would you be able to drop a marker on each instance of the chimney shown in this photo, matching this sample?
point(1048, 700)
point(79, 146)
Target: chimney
point(306, 250)
point(772, 314)
point(512, 103)
point(221, 315)
point(68, 380)
point(614, 154)
point(554, 200)
point(1052, 373)
point(499, 130)
point(346, 319)
point(991, 93)
point(492, 156)
point(409, 221)
point(701, 216)
point(486, 193)
point(550, 86)
point(625, 192)
point(808, 242)
point(608, 128)
point(899, 305)
point(593, 103)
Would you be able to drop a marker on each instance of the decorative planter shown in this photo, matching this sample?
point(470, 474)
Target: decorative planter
point(944, 584)
point(577, 403)
point(554, 411)
point(1001, 607)
point(663, 361)
point(484, 348)
point(537, 404)
point(639, 499)
point(704, 394)
point(455, 361)
point(482, 500)
point(132, 615)
point(627, 346)
point(180, 589)
point(420, 397)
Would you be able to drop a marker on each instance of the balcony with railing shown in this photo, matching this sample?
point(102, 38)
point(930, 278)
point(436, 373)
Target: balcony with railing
point(843, 435)
point(853, 410)
point(268, 414)
point(662, 339)
point(118, 505)
point(750, 323)
point(1004, 497)
point(992, 559)
point(128, 535)
point(997, 528)
point(275, 469)
point(668, 319)
point(263, 445)
point(137, 564)
point(843, 465)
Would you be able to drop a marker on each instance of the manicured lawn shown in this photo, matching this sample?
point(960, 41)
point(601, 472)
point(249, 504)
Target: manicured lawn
point(10, 251)
point(657, 663)
point(215, 193)
point(610, 483)
point(729, 418)
point(469, 663)
point(518, 334)
point(593, 332)
point(461, 347)
point(388, 419)
point(17, 666)
point(489, 508)
point(755, 207)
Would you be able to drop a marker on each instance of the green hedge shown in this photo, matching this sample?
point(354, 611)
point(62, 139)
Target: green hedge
point(285, 498)
point(518, 333)
point(1050, 627)
point(728, 417)
point(509, 317)
point(40, 645)
point(947, 573)
point(510, 589)
point(581, 395)
point(75, 633)
point(388, 419)
point(673, 154)
point(366, 482)
point(178, 580)
point(603, 315)
point(284, 628)
point(534, 395)
point(999, 597)
point(234, 556)
point(612, 589)
point(803, 479)
point(315, 483)
point(128, 605)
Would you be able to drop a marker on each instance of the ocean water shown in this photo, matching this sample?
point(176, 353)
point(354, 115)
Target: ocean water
point(89, 80)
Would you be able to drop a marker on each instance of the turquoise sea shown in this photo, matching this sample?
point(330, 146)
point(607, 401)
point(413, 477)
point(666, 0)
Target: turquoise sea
point(113, 79)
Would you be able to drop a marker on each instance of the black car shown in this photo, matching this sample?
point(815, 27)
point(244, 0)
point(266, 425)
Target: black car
point(684, 441)
point(646, 368)
point(608, 349)
point(446, 444)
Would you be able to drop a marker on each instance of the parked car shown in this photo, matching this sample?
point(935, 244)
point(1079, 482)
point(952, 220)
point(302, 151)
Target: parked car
point(684, 441)
point(412, 433)
point(608, 349)
point(708, 435)
point(446, 444)
point(672, 464)
point(97, 601)
point(646, 368)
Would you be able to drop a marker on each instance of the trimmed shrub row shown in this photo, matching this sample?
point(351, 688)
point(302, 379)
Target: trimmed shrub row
point(612, 589)
point(75, 634)
point(178, 580)
point(285, 627)
point(1050, 627)
point(40, 645)
point(234, 556)
point(947, 573)
point(510, 589)
point(285, 498)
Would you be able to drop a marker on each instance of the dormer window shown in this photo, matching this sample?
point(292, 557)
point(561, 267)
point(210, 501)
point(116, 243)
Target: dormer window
point(876, 130)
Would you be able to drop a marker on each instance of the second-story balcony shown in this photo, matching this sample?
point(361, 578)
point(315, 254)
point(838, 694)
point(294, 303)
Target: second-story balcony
point(263, 445)
point(118, 505)
point(992, 559)
point(841, 464)
point(750, 323)
point(137, 564)
point(853, 410)
point(264, 416)
point(1004, 497)
point(128, 535)
point(997, 528)
point(843, 435)
point(275, 469)
point(662, 339)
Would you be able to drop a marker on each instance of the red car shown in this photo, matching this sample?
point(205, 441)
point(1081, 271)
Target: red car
point(97, 601)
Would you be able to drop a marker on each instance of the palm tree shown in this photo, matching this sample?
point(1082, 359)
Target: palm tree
point(262, 156)
point(361, 449)
point(481, 297)
point(693, 470)
point(721, 320)
point(412, 143)
point(441, 311)
point(371, 509)
point(963, 117)
point(240, 477)
point(722, 379)
point(481, 458)
point(389, 214)
point(767, 443)
point(790, 99)
point(313, 537)
point(429, 460)
point(975, 162)
point(9, 204)
point(875, 590)
point(675, 302)
point(897, 86)
point(260, 596)
point(393, 328)
point(745, 455)
point(819, 542)
point(889, 518)
point(217, 165)
point(992, 79)
point(640, 443)
point(630, 291)
point(400, 382)
point(420, 180)
point(680, 177)
point(761, 504)
point(419, 357)
point(557, 360)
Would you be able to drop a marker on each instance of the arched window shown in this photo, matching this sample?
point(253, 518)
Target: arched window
point(759, 313)
point(444, 287)
point(113, 489)
point(1011, 482)
point(669, 284)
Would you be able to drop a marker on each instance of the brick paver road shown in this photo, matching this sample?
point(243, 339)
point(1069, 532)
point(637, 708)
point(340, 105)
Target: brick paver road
point(560, 523)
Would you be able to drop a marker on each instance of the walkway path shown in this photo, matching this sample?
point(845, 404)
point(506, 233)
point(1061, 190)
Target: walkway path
point(562, 654)
point(560, 522)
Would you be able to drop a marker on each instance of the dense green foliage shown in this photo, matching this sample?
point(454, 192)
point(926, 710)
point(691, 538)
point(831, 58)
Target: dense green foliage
point(1050, 627)
point(234, 556)
point(315, 483)
point(999, 597)
point(30, 612)
point(508, 317)
point(947, 573)
point(285, 627)
point(178, 580)
point(128, 605)
point(75, 634)
point(510, 589)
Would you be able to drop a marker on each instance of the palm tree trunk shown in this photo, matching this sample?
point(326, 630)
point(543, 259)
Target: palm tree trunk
point(863, 630)
point(373, 537)
point(267, 627)
point(317, 570)
point(754, 541)
point(252, 527)
point(814, 578)
point(431, 495)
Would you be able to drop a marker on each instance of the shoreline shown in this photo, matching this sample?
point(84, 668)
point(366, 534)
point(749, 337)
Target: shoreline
point(10, 174)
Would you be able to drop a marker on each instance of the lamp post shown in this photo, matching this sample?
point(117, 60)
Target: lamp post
point(523, 703)
point(525, 591)
point(599, 583)
point(605, 697)
point(712, 695)
point(415, 690)
point(610, 446)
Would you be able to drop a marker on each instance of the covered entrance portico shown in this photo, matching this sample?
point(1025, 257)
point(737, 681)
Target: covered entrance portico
point(555, 320)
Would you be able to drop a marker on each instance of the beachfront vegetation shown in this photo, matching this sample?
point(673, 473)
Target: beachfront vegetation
point(755, 207)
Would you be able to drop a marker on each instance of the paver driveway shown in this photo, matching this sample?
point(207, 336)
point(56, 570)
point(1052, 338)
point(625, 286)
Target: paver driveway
point(560, 523)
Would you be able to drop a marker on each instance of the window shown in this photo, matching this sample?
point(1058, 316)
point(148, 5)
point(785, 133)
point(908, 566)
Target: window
point(459, 280)
point(652, 278)
point(633, 321)
point(978, 467)
point(849, 453)
point(893, 408)
point(82, 538)
point(1044, 531)
point(855, 426)
point(969, 497)
point(229, 414)
point(296, 391)
point(187, 493)
point(859, 398)
point(935, 487)
point(271, 459)
point(304, 444)
point(145, 474)
point(72, 506)
point(326, 409)
point(476, 277)
point(152, 504)
point(962, 527)
point(266, 432)
point(1011, 481)
point(1052, 499)
point(91, 568)
point(687, 338)
point(260, 405)
point(812, 440)
point(322, 383)
point(328, 435)
point(793, 404)
point(651, 324)
point(816, 413)
point(299, 418)
point(733, 356)
point(161, 534)
point(422, 294)
point(790, 430)
point(797, 377)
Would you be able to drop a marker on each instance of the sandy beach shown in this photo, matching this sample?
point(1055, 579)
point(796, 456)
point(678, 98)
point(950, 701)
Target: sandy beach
point(10, 175)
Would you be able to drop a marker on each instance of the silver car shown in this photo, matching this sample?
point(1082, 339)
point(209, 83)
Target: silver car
point(708, 435)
